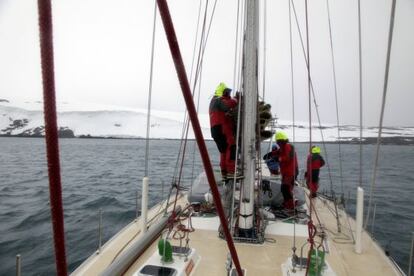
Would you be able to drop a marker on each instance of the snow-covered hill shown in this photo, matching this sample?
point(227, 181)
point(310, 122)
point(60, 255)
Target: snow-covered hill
point(111, 121)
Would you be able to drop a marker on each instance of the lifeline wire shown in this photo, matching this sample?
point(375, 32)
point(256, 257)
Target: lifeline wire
point(384, 95)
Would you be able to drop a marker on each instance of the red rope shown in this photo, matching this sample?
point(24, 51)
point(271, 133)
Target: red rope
point(51, 133)
point(185, 87)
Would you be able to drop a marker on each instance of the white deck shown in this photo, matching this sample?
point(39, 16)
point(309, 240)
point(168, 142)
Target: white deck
point(263, 259)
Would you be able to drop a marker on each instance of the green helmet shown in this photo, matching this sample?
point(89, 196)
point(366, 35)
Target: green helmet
point(220, 89)
point(281, 136)
point(316, 149)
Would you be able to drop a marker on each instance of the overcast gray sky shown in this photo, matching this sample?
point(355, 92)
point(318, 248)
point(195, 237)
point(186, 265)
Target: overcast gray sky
point(102, 53)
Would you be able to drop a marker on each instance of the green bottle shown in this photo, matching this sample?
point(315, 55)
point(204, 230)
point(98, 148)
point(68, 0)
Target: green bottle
point(165, 250)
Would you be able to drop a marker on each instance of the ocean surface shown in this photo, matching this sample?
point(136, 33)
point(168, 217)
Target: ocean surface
point(106, 174)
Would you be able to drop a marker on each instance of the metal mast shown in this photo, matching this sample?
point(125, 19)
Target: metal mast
point(250, 94)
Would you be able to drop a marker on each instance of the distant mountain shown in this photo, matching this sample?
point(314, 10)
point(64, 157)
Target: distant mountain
point(80, 120)
point(99, 121)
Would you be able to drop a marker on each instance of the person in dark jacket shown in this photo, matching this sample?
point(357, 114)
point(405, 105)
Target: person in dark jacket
point(313, 164)
point(272, 160)
point(288, 168)
point(222, 127)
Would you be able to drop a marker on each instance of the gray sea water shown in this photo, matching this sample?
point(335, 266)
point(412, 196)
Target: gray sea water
point(106, 174)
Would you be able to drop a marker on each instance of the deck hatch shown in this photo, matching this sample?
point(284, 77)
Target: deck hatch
point(157, 270)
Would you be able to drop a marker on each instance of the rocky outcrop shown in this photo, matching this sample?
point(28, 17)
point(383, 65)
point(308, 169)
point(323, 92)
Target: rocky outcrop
point(33, 132)
point(65, 132)
point(15, 124)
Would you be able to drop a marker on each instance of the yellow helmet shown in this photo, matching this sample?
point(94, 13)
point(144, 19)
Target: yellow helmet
point(220, 89)
point(316, 149)
point(280, 135)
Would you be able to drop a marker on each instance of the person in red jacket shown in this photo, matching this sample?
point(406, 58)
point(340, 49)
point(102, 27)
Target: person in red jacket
point(288, 168)
point(222, 127)
point(313, 163)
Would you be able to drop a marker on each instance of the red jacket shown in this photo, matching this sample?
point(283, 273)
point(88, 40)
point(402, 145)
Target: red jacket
point(219, 106)
point(314, 162)
point(288, 160)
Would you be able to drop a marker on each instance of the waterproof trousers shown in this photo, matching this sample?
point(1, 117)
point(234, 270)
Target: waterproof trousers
point(313, 184)
point(287, 191)
point(223, 136)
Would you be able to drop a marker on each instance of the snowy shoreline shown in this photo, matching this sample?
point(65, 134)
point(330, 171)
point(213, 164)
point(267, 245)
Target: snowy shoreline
point(109, 122)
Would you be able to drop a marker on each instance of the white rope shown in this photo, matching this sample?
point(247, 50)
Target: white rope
point(384, 95)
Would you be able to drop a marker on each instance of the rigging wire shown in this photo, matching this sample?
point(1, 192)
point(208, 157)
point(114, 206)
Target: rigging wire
point(191, 79)
point(240, 84)
point(184, 128)
point(195, 41)
point(186, 118)
point(264, 47)
point(236, 48)
point(309, 79)
point(314, 102)
point(360, 93)
point(293, 109)
point(291, 71)
point(336, 98)
point(179, 66)
point(187, 123)
point(150, 89)
point(311, 226)
point(384, 95)
point(318, 116)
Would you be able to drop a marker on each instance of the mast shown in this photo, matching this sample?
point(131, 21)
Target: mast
point(250, 92)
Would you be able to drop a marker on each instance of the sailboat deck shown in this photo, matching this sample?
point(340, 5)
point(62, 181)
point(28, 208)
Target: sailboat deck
point(267, 258)
point(257, 259)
